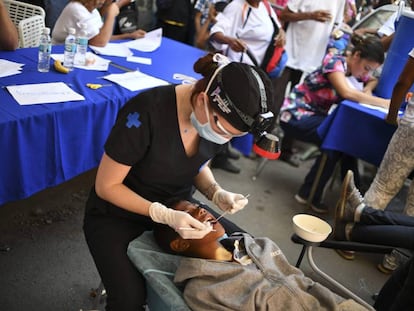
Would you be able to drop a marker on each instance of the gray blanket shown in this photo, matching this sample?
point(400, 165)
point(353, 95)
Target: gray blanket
point(269, 283)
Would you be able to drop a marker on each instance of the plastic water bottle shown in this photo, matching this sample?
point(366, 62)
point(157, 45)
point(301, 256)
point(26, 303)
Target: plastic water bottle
point(82, 45)
point(70, 49)
point(45, 48)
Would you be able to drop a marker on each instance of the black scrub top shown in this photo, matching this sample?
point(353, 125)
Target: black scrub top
point(146, 136)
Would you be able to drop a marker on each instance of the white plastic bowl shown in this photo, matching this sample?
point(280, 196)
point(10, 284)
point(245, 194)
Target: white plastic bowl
point(311, 228)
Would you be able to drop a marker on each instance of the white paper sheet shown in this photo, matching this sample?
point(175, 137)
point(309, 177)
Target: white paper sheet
point(135, 80)
point(9, 68)
point(99, 64)
point(140, 60)
point(43, 93)
point(149, 43)
point(113, 49)
point(384, 110)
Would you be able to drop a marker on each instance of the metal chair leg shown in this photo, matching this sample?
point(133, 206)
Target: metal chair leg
point(334, 283)
point(260, 166)
point(300, 258)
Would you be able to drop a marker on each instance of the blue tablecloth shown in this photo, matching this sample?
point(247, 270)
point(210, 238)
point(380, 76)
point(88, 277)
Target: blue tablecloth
point(45, 145)
point(358, 131)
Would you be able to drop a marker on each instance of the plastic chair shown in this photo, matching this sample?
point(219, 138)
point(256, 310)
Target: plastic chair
point(29, 28)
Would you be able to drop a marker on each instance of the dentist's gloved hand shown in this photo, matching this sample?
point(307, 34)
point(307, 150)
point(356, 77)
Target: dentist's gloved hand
point(228, 201)
point(179, 220)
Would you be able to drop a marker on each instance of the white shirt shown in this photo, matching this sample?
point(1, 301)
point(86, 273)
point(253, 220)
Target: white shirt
point(73, 15)
point(256, 31)
point(307, 40)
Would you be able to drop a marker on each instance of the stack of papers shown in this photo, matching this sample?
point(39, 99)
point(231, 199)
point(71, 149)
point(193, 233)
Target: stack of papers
point(8, 68)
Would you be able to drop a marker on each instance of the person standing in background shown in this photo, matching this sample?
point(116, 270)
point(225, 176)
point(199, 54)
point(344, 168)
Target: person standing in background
point(245, 26)
point(310, 24)
point(350, 12)
point(176, 19)
point(9, 39)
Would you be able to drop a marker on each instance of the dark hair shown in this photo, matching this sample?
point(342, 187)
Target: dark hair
point(164, 235)
point(206, 67)
point(236, 86)
point(369, 47)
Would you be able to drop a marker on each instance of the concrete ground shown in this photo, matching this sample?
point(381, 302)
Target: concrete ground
point(45, 264)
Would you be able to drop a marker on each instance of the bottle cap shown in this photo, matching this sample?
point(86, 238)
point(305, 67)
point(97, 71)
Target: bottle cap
point(46, 30)
point(71, 30)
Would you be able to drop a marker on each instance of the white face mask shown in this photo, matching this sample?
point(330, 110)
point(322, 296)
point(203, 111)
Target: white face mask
point(206, 131)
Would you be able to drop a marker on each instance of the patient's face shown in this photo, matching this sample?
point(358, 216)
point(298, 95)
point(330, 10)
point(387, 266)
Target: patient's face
point(208, 247)
point(201, 215)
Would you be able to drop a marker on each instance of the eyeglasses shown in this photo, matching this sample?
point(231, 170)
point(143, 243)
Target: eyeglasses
point(223, 130)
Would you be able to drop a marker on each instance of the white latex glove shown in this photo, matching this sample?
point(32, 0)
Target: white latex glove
point(186, 226)
point(228, 201)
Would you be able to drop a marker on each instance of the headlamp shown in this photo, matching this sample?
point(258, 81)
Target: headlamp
point(266, 145)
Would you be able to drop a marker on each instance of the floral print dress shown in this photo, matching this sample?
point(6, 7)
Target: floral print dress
point(316, 94)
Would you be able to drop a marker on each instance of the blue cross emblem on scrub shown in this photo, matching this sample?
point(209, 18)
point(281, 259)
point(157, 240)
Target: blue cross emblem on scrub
point(133, 120)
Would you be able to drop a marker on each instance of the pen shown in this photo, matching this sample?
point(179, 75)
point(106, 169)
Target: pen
point(225, 212)
point(121, 67)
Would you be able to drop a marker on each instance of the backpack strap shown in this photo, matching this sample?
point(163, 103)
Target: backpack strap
point(244, 21)
point(267, 5)
point(275, 26)
point(245, 8)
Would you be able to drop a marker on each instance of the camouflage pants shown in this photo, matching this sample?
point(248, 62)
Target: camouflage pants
point(397, 164)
